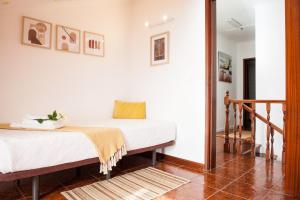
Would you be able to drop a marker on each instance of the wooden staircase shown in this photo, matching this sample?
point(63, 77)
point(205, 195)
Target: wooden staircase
point(245, 144)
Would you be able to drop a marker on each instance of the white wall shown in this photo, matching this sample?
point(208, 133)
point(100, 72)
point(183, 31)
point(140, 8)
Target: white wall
point(270, 63)
point(34, 80)
point(174, 92)
point(227, 46)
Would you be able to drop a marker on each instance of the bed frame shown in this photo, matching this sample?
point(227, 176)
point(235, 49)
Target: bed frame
point(35, 173)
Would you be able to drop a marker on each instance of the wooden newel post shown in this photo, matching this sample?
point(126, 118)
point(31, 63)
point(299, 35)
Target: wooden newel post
point(227, 104)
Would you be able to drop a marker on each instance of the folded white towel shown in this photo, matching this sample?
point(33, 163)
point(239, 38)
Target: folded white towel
point(31, 120)
point(28, 117)
point(33, 124)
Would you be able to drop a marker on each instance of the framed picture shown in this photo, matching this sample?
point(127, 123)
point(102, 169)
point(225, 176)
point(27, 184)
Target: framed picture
point(93, 44)
point(225, 67)
point(36, 33)
point(160, 49)
point(67, 39)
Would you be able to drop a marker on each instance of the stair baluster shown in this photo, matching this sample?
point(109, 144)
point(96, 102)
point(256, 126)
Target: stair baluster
point(272, 144)
point(234, 128)
point(268, 107)
point(240, 106)
point(253, 129)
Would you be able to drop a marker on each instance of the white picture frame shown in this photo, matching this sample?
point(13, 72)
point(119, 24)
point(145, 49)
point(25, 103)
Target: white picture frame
point(37, 33)
point(94, 44)
point(160, 44)
point(225, 67)
point(67, 39)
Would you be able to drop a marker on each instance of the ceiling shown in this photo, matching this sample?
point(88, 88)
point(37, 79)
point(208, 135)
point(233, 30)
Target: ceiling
point(240, 10)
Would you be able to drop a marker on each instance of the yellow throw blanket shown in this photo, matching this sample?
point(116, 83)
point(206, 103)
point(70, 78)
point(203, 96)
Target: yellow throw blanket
point(109, 142)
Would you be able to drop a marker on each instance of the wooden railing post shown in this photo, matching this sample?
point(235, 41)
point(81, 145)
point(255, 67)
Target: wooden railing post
point(272, 143)
point(227, 104)
point(234, 128)
point(240, 126)
point(253, 129)
point(283, 133)
point(268, 108)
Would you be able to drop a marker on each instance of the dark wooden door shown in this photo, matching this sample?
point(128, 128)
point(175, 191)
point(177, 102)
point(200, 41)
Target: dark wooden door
point(249, 88)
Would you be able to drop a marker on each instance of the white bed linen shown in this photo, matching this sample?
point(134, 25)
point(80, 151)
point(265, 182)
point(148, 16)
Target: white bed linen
point(25, 150)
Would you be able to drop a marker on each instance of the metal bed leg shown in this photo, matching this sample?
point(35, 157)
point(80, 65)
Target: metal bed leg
point(35, 187)
point(108, 175)
point(153, 157)
point(18, 182)
point(78, 172)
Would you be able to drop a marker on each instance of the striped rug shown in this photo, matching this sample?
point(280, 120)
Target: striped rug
point(144, 184)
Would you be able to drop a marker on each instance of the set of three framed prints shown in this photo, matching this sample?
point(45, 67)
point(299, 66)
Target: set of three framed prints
point(38, 33)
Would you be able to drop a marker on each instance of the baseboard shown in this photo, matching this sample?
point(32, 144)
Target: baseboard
point(181, 161)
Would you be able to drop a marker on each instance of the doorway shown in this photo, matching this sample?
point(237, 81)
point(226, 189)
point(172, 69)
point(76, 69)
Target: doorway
point(292, 8)
point(249, 85)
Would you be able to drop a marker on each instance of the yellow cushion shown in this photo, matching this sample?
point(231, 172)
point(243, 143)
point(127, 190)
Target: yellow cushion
point(129, 110)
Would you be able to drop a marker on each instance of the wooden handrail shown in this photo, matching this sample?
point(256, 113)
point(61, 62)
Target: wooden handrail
point(256, 101)
point(276, 128)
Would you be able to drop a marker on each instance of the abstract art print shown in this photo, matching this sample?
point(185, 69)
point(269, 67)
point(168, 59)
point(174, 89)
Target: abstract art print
point(225, 67)
point(67, 39)
point(93, 44)
point(36, 33)
point(160, 49)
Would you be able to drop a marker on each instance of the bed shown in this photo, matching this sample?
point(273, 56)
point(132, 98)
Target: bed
point(27, 154)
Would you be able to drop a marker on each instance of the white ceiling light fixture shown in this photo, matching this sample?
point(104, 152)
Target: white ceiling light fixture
point(238, 26)
point(235, 23)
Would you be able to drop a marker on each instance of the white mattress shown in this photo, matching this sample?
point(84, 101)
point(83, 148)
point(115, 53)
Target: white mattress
point(25, 150)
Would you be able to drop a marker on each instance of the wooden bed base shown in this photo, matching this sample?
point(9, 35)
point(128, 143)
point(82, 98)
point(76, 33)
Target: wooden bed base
point(35, 173)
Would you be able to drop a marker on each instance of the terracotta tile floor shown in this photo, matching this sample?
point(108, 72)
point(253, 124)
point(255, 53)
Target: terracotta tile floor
point(235, 177)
